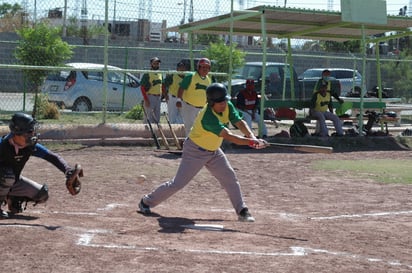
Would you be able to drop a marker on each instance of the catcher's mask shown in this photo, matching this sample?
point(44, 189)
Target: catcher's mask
point(216, 92)
point(22, 124)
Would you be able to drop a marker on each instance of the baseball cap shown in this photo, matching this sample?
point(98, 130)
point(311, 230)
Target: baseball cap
point(155, 59)
point(180, 64)
point(250, 81)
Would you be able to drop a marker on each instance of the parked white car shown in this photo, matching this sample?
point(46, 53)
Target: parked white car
point(81, 90)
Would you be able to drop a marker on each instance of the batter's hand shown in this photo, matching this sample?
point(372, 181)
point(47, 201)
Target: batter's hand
point(258, 143)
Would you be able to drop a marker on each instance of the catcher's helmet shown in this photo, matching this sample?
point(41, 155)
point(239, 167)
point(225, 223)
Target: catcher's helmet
point(216, 92)
point(203, 62)
point(22, 123)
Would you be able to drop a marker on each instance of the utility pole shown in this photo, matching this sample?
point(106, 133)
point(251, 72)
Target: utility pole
point(83, 21)
point(191, 12)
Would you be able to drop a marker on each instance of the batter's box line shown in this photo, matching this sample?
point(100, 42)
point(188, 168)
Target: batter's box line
point(375, 214)
point(296, 251)
point(108, 207)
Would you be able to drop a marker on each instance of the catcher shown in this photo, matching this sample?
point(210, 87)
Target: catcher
point(15, 150)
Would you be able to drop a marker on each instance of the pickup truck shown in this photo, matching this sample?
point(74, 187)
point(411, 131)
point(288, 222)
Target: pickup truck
point(344, 80)
point(274, 77)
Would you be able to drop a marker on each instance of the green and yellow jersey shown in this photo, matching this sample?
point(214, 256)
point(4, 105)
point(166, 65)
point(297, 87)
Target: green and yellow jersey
point(209, 124)
point(321, 103)
point(173, 84)
point(195, 89)
point(152, 83)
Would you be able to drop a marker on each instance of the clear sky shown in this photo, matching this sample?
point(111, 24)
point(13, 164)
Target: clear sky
point(173, 10)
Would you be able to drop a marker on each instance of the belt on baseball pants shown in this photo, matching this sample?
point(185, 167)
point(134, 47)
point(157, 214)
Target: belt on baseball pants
point(198, 107)
point(154, 95)
point(202, 149)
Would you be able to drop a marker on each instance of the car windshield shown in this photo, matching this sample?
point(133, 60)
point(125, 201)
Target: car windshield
point(249, 72)
point(312, 74)
point(255, 72)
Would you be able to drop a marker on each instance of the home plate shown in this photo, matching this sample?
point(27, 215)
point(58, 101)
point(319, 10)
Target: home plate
point(204, 227)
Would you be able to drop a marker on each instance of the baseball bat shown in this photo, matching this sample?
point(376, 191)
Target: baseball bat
point(161, 132)
point(179, 147)
point(305, 148)
point(150, 127)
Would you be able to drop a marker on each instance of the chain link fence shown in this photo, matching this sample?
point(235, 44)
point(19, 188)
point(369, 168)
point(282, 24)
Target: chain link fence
point(133, 34)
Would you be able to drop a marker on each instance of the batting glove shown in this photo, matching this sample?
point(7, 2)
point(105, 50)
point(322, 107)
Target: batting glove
point(258, 143)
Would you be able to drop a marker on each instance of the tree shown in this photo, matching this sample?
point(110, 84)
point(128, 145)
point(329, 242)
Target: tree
point(400, 75)
point(11, 17)
point(41, 45)
point(220, 53)
point(332, 46)
point(205, 39)
point(7, 9)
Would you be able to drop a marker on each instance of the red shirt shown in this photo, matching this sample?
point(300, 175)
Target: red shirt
point(247, 100)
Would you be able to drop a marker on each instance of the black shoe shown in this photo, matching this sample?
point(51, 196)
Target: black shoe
point(245, 216)
point(145, 209)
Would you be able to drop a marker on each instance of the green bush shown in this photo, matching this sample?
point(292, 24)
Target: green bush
point(135, 113)
point(46, 109)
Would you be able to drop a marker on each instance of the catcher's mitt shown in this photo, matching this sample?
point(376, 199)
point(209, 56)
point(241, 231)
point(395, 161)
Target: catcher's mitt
point(73, 183)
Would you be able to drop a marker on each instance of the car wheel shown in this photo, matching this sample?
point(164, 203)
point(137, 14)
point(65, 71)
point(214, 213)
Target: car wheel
point(82, 105)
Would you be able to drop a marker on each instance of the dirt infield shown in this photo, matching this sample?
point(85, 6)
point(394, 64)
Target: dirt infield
point(306, 220)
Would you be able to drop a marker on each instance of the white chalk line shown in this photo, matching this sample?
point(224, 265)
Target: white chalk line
point(85, 240)
point(108, 207)
point(88, 234)
point(282, 215)
point(376, 214)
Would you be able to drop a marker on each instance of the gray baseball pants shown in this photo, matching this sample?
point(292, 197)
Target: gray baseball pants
point(193, 159)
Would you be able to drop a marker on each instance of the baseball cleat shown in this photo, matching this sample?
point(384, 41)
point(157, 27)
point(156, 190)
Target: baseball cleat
point(3, 214)
point(245, 216)
point(144, 209)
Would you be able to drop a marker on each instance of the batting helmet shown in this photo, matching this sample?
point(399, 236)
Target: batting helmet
point(203, 62)
point(216, 92)
point(22, 123)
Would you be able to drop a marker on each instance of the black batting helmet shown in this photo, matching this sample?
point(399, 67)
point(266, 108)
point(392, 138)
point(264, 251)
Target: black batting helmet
point(216, 92)
point(22, 123)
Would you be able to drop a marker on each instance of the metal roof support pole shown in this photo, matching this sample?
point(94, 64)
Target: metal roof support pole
point(378, 75)
point(262, 92)
point(378, 71)
point(292, 76)
point(363, 89)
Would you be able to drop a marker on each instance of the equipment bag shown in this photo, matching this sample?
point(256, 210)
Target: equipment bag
point(298, 129)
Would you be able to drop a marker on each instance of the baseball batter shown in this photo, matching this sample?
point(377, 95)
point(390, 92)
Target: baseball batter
point(202, 148)
point(192, 93)
point(15, 150)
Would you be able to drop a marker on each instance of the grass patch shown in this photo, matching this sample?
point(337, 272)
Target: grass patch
point(381, 170)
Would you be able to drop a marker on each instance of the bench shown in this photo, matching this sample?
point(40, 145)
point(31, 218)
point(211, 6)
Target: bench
point(373, 105)
point(302, 104)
